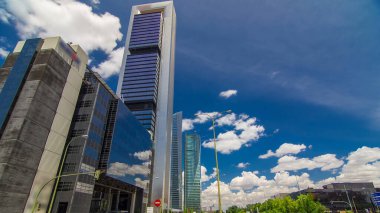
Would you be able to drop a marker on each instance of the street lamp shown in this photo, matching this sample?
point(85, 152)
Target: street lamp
point(216, 156)
point(60, 170)
point(96, 174)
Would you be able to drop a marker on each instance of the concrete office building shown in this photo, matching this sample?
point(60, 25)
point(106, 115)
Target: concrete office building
point(176, 163)
point(192, 172)
point(146, 83)
point(337, 197)
point(103, 135)
point(40, 82)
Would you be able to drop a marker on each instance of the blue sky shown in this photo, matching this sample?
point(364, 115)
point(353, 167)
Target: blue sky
point(306, 75)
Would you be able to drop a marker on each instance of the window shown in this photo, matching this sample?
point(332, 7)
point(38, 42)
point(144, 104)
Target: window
point(68, 167)
point(73, 149)
point(65, 186)
point(86, 103)
point(81, 118)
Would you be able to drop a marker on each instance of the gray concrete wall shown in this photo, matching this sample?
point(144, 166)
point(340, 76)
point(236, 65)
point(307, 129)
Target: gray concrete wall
point(26, 132)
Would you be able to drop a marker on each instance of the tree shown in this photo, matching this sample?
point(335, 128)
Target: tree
point(303, 204)
point(306, 204)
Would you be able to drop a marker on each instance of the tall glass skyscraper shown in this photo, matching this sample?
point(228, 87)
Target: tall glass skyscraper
point(146, 84)
point(193, 172)
point(176, 163)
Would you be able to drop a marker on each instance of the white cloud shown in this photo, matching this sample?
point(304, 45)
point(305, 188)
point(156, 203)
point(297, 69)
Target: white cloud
point(187, 124)
point(3, 53)
point(74, 21)
point(143, 155)
point(242, 165)
point(123, 169)
point(284, 149)
point(112, 65)
point(363, 165)
point(204, 176)
point(228, 93)
point(5, 16)
point(245, 131)
point(247, 181)
point(200, 118)
point(228, 119)
point(291, 163)
point(250, 188)
point(141, 183)
point(95, 1)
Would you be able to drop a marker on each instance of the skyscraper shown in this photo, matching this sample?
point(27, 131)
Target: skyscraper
point(176, 163)
point(146, 83)
point(193, 172)
point(40, 83)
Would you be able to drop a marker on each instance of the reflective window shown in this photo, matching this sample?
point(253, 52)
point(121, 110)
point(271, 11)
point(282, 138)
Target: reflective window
point(130, 148)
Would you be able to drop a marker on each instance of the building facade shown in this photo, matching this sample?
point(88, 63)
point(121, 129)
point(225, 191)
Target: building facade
point(192, 172)
point(176, 163)
point(103, 135)
point(146, 84)
point(40, 82)
point(339, 197)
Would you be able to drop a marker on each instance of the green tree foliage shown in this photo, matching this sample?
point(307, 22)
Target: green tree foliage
point(303, 204)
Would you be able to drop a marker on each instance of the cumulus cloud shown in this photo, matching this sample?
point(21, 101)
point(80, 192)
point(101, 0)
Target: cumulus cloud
point(3, 53)
point(204, 176)
point(200, 118)
point(187, 124)
point(141, 183)
point(245, 131)
point(112, 65)
point(291, 163)
point(95, 1)
point(249, 188)
point(123, 169)
point(143, 155)
point(242, 165)
point(5, 16)
point(228, 93)
point(363, 165)
point(76, 23)
point(284, 149)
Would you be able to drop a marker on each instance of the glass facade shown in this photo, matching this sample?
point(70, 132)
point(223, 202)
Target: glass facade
point(16, 78)
point(192, 172)
point(176, 163)
point(142, 68)
point(130, 150)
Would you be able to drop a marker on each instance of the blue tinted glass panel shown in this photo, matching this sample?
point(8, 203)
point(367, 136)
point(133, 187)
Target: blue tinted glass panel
point(130, 148)
point(16, 77)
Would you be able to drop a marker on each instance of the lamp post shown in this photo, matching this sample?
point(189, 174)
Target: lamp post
point(216, 158)
point(96, 175)
point(60, 171)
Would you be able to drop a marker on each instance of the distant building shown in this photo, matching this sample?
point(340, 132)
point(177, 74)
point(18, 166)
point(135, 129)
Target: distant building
point(104, 135)
point(40, 82)
point(192, 172)
point(176, 163)
point(339, 196)
point(146, 83)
